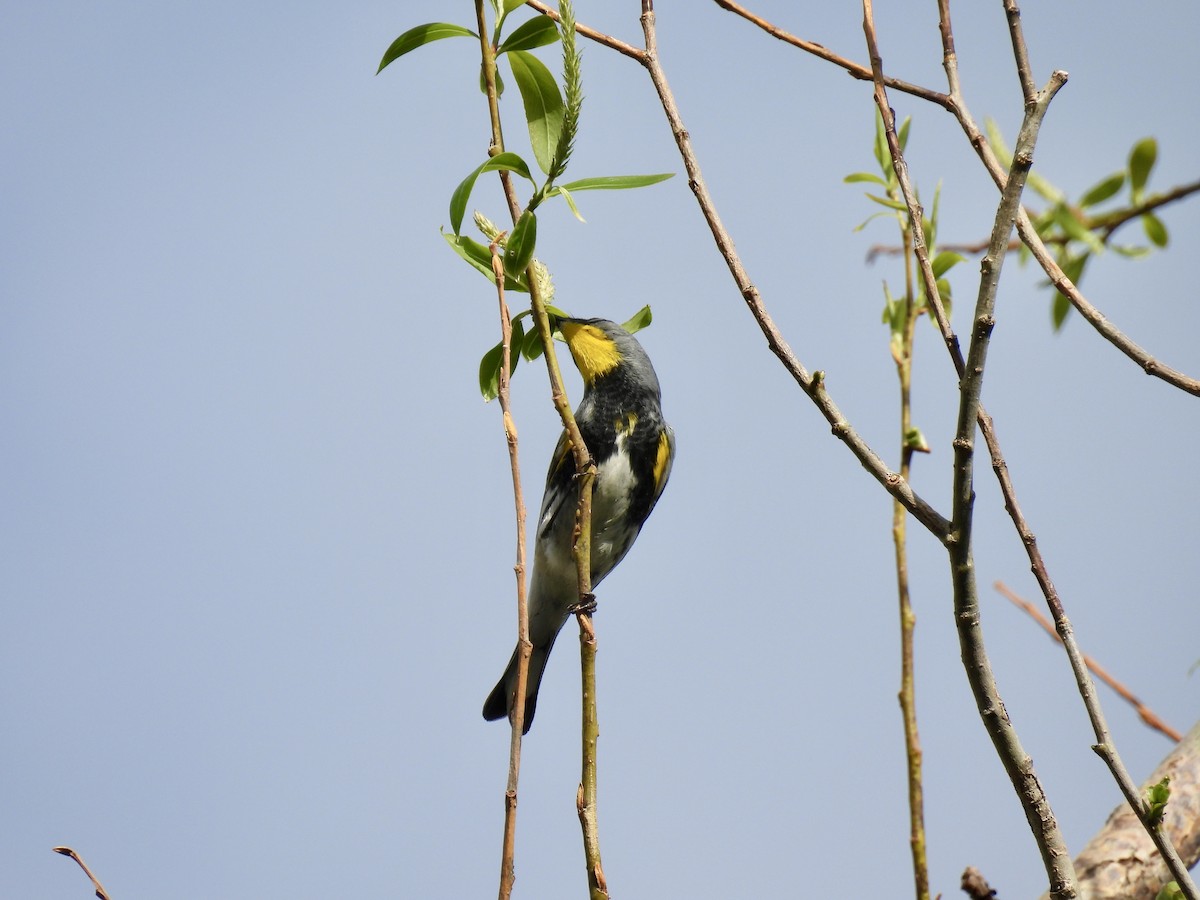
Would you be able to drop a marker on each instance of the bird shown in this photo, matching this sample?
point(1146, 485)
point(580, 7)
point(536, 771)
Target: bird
point(620, 420)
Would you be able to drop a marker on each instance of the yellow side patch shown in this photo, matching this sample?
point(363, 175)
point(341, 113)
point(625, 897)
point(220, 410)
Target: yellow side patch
point(662, 459)
point(626, 423)
point(595, 353)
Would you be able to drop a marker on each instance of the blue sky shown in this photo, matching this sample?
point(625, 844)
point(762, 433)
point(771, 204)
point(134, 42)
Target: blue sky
point(256, 529)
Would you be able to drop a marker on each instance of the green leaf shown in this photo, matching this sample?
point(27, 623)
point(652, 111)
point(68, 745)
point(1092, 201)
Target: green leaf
point(882, 156)
point(532, 348)
point(489, 373)
point(1130, 252)
point(543, 104)
point(1103, 190)
point(915, 440)
point(483, 82)
point(902, 133)
point(537, 32)
point(867, 221)
point(888, 202)
point(1072, 266)
point(480, 257)
point(945, 261)
point(1155, 230)
point(1059, 310)
point(1171, 891)
point(462, 194)
point(1141, 160)
point(509, 5)
point(521, 241)
point(996, 139)
point(1156, 801)
point(638, 320)
point(419, 36)
point(864, 176)
point(515, 343)
point(616, 182)
point(1045, 189)
point(570, 201)
point(1066, 219)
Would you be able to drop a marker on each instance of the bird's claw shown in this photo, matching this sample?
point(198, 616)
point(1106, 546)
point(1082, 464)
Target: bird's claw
point(586, 605)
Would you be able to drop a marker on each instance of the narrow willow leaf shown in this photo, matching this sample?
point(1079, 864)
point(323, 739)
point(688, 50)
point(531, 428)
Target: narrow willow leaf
point(902, 134)
point(996, 139)
point(1103, 190)
point(1155, 230)
point(1059, 310)
point(570, 201)
point(864, 176)
point(945, 261)
point(537, 32)
point(489, 373)
point(510, 5)
point(1045, 189)
point(1141, 160)
point(532, 348)
point(483, 82)
point(1066, 219)
point(867, 221)
point(516, 342)
point(419, 36)
point(638, 320)
point(616, 182)
point(543, 104)
point(521, 241)
point(462, 194)
point(888, 202)
point(480, 258)
point(1130, 252)
point(881, 148)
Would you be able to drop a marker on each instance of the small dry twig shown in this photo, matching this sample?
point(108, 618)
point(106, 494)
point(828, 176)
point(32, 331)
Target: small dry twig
point(1144, 712)
point(101, 893)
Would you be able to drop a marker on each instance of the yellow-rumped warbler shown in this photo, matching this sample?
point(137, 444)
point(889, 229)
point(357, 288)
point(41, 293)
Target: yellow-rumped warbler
point(620, 419)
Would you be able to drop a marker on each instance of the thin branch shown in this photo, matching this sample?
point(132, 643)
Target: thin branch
point(1144, 712)
point(1120, 862)
point(1020, 51)
point(524, 646)
point(592, 34)
point(1107, 223)
point(857, 70)
point(903, 356)
point(1029, 235)
point(813, 384)
point(1016, 762)
point(100, 892)
point(1104, 746)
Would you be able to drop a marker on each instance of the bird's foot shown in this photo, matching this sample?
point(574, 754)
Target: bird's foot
point(586, 606)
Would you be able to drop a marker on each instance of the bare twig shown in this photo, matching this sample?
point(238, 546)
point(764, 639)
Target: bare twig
point(812, 384)
point(975, 886)
point(100, 892)
point(1104, 746)
point(857, 70)
point(1016, 762)
point(1120, 862)
point(1028, 233)
point(1144, 712)
point(524, 647)
point(592, 34)
point(585, 470)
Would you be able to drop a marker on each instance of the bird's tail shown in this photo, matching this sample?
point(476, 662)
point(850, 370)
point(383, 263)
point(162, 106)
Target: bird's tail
point(499, 701)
